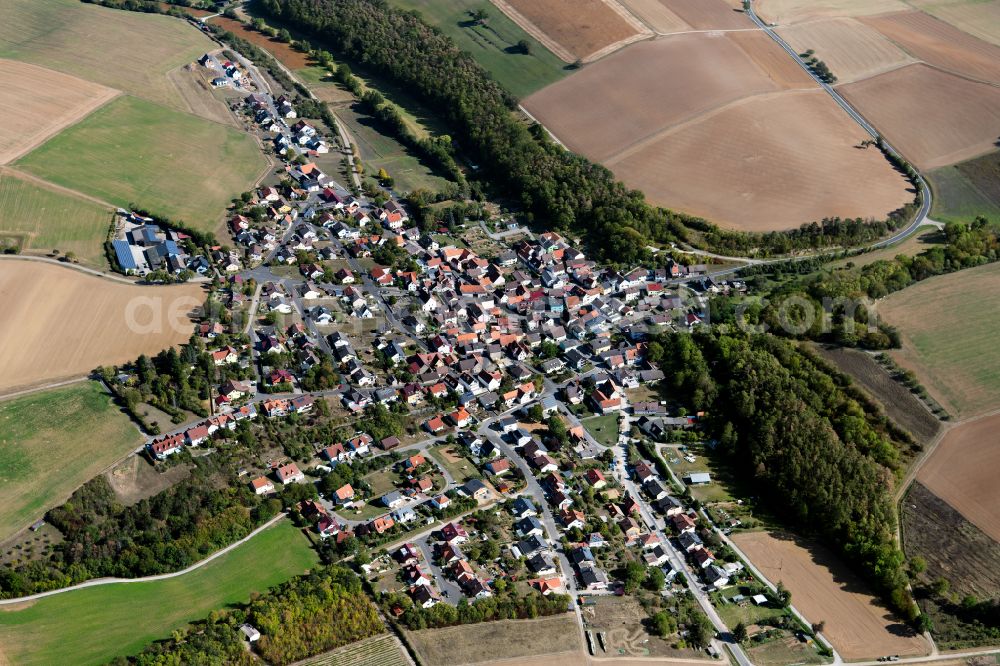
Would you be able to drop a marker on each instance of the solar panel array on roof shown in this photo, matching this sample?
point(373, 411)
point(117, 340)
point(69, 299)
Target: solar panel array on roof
point(124, 255)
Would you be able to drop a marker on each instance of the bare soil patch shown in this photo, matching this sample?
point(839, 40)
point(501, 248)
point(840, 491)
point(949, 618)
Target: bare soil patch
point(939, 44)
point(784, 12)
point(767, 163)
point(899, 403)
point(193, 86)
point(933, 117)
point(38, 102)
point(581, 27)
point(824, 589)
point(621, 619)
point(135, 479)
point(696, 72)
point(962, 471)
point(656, 15)
point(61, 323)
point(477, 643)
point(283, 52)
point(954, 548)
point(850, 48)
point(709, 14)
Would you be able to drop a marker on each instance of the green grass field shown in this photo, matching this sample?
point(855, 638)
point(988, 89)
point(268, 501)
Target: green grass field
point(379, 151)
point(45, 219)
point(603, 428)
point(52, 442)
point(520, 74)
point(92, 626)
point(128, 51)
point(948, 326)
point(460, 470)
point(134, 151)
point(968, 189)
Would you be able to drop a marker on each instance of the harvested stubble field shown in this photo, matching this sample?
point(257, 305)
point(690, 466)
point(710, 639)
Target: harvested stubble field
point(475, 643)
point(962, 471)
point(574, 29)
point(767, 163)
point(656, 14)
point(954, 548)
point(948, 325)
point(72, 37)
point(784, 12)
point(851, 49)
point(53, 441)
point(135, 152)
point(824, 590)
point(37, 103)
point(775, 64)
point(709, 14)
point(940, 44)
point(60, 323)
point(980, 18)
point(46, 219)
point(698, 72)
point(899, 403)
point(932, 117)
point(129, 616)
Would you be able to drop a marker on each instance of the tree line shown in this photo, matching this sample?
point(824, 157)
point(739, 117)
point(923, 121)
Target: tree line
point(822, 459)
point(320, 611)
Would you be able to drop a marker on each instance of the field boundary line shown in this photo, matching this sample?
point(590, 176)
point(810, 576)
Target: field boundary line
point(43, 387)
point(82, 114)
point(75, 267)
point(147, 579)
point(695, 119)
point(643, 32)
point(533, 30)
point(28, 177)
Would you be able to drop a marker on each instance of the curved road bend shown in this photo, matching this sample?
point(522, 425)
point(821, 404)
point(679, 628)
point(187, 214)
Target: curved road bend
point(925, 191)
point(148, 579)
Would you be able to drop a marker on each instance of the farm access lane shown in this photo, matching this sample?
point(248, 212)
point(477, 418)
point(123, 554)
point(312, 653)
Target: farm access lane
point(148, 579)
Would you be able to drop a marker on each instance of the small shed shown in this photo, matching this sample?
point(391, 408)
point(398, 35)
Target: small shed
point(250, 632)
point(759, 599)
point(698, 478)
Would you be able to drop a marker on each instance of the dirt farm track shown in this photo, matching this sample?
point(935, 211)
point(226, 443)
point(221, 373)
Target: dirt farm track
point(61, 323)
point(825, 590)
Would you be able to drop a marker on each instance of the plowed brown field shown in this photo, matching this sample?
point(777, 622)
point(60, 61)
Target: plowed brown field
point(614, 103)
point(59, 322)
point(284, 53)
point(784, 12)
point(980, 19)
point(709, 14)
point(933, 117)
point(963, 472)
point(772, 60)
point(38, 102)
point(581, 27)
point(852, 50)
point(656, 15)
point(824, 590)
point(767, 163)
point(941, 45)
